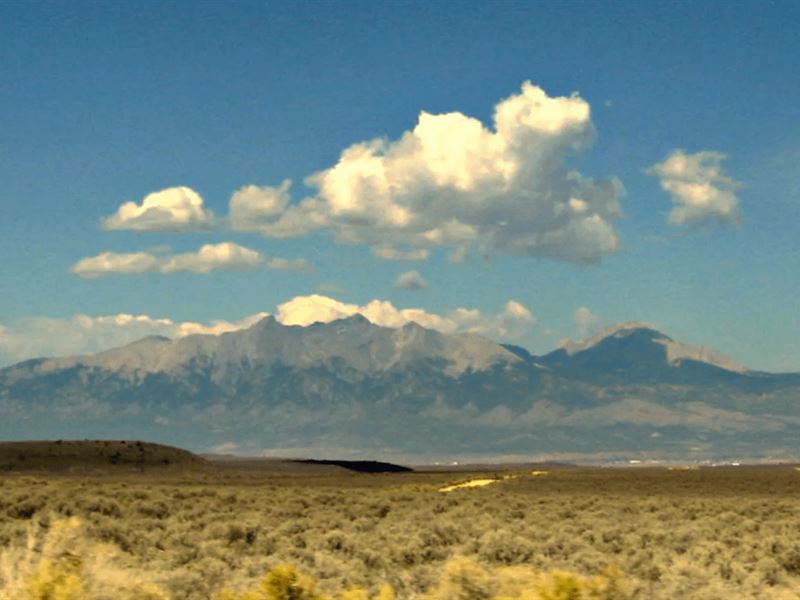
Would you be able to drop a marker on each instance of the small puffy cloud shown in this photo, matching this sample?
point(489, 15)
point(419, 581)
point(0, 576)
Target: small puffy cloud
point(453, 182)
point(210, 257)
point(586, 320)
point(411, 281)
point(253, 207)
point(171, 209)
point(84, 334)
point(700, 190)
point(513, 321)
point(516, 310)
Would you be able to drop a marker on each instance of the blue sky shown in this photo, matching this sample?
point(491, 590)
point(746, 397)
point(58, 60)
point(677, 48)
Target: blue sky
point(103, 104)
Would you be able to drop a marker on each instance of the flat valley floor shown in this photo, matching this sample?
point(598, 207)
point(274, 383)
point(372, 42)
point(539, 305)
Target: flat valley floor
point(707, 533)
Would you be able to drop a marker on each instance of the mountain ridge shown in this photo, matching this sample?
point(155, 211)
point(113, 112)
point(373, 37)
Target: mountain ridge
point(294, 344)
point(676, 351)
point(406, 391)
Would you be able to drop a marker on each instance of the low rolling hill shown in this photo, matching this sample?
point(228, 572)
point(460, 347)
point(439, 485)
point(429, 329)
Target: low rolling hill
point(94, 455)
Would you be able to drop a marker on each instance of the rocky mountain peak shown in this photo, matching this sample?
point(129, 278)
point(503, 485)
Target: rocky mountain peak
point(628, 329)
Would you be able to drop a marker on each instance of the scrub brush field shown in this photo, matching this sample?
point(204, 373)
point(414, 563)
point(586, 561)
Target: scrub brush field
point(305, 531)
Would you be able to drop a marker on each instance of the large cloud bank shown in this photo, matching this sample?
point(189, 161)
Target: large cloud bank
point(84, 334)
point(701, 192)
point(452, 182)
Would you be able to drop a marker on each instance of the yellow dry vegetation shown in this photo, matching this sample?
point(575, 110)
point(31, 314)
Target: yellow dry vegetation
point(462, 579)
point(703, 534)
point(469, 484)
point(58, 562)
point(286, 583)
point(51, 568)
point(484, 482)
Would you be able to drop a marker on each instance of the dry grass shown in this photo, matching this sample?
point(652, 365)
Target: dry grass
point(652, 533)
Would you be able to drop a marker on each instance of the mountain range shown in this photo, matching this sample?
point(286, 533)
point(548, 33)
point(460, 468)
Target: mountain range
point(350, 388)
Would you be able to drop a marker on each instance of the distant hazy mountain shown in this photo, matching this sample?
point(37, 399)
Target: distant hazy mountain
point(352, 388)
point(638, 352)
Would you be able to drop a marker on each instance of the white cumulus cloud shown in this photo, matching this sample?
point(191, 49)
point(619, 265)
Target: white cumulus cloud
point(210, 257)
point(411, 281)
point(171, 209)
point(516, 310)
point(701, 192)
point(315, 308)
point(453, 182)
point(513, 321)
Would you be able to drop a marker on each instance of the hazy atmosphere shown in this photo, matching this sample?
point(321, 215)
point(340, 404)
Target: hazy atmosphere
point(402, 300)
point(533, 172)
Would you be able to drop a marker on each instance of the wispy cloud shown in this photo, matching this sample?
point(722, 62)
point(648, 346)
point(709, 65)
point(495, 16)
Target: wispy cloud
point(84, 334)
point(210, 257)
point(393, 253)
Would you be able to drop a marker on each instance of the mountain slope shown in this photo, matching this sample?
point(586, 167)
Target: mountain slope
point(355, 389)
point(638, 352)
